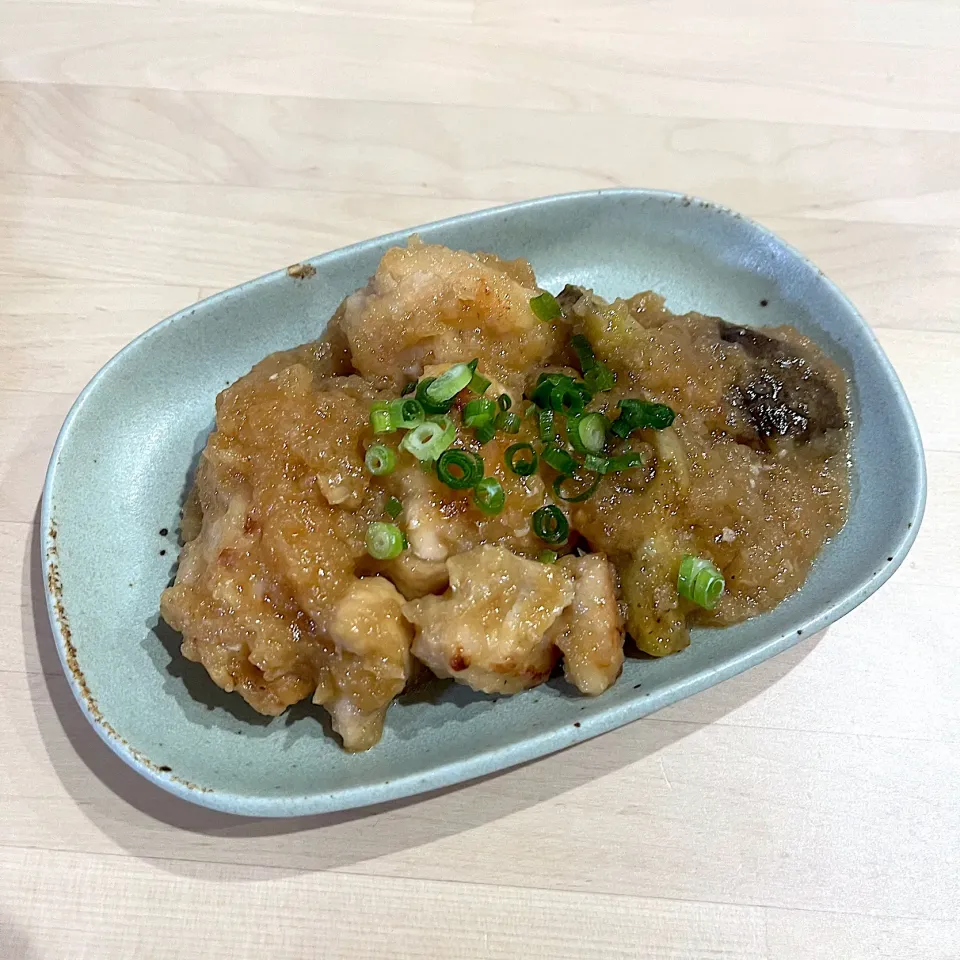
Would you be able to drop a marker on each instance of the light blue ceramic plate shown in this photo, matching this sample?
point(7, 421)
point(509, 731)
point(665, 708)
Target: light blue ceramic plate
point(124, 456)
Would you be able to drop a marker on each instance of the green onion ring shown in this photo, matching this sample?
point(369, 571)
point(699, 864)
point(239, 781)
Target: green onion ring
point(550, 525)
point(524, 467)
point(445, 387)
point(380, 459)
point(406, 413)
point(488, 495)
point(588, 432)
point(428, 440)
point(478, 412)
point(545, 307)
point(431, 406)
point(384, 540)
point(459, 469)
point(559, 459)
point(700, 581)
point(508, 422)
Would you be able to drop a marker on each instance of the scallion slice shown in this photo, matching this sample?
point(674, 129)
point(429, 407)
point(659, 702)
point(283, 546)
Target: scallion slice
point(548, 556)
point(545, 307)
point(406, 413)
point(504, 402)
point(459, 469)
point(508, 422)
point(428, 440)
point(479, 384)
point(380, 459)
point(380, 418)
point(411, 387)
point(431, 406)
point(600, 378)
point(588, 433)
point(626, 461)
point(394, 508)
point(488, 495)
point(384, 540)
point(522, 466)
point(544, 387)
point(559, 459)
point(546, 424)
point(570, 398)
point(485, 433)
point(479, 412)
point(550, 525)
point(700, 581)
point(641, 415)
point(583, 350)
point(445, 387)
point(596, 464)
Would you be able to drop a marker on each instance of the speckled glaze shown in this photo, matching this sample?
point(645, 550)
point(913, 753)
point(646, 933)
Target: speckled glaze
point(125, 455)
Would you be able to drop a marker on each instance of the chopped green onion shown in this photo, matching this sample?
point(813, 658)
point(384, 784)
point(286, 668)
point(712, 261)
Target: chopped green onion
point(460, 469)
point(530, 410)
point(479, 412)
point(639, 415)
point(544, 387)
point(600, 378)
point(380, 459)
point(384, 540)
point(569, 398)
point(508, 422)
point(550, 525)
point(626, 461)
point(431, 406)
point(428, 440)
point(473, 364)
point(406, 413)
point(504, 402)
point(559, 459)
point(548, 556)
point(380, 418)
point(488, 495)
point(584, 492)
point(583, 350)
point(479, 384)
point(394, 508)
point(588, 433)
point(700, 581)
point(547, 426)
point(545, 307)
point(411, 387)
point(485, 433)
point(445, 387)
point(522, 467)
point(596, 464)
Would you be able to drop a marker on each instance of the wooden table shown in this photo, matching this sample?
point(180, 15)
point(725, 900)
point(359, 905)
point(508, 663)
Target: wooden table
point(154, 151)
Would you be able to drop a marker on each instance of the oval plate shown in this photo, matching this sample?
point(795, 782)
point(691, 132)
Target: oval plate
point(125, 454)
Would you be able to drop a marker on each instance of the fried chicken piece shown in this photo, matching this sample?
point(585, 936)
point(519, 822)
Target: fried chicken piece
point(371, 663)
point(589, 632)
point(489, 630)
point(267, 596)
point(427, 304)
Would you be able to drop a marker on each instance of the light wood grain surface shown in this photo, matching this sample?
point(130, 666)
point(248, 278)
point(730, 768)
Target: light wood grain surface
point(154, 151)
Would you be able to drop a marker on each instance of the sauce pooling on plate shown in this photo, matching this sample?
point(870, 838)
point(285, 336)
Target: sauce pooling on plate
point(470, 476)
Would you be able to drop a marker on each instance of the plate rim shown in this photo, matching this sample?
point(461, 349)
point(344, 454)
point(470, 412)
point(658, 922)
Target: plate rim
point(531, 747)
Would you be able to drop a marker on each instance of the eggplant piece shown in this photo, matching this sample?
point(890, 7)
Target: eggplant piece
point(781, 396)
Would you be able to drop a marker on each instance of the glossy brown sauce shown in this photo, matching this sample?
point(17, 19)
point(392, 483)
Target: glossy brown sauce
point(277, 597)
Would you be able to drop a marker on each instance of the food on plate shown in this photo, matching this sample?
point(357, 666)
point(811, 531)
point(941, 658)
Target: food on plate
point(471, 476)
